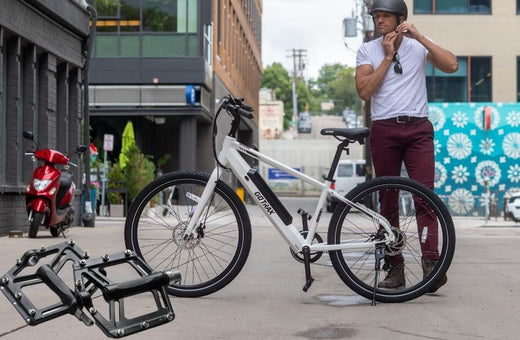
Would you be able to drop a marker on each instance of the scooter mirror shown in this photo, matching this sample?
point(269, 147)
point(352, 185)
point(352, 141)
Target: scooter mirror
point(81, 148)
point(28, 135)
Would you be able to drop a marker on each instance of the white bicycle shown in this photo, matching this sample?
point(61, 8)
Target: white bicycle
point(195, 223)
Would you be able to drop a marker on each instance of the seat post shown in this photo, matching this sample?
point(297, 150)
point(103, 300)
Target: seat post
point(342, 146)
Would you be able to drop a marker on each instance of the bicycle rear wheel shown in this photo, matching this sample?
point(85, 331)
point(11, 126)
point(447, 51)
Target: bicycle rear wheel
point(157, 220)
point(415, 204)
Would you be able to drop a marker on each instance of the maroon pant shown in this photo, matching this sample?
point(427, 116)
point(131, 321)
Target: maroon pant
point(391, 144)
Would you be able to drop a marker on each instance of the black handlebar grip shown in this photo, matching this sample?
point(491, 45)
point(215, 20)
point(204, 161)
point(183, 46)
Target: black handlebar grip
point(137, 286)
point(245, 113)
point(53, 281)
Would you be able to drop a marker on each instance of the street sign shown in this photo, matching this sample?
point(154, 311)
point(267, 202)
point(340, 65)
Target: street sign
point(108, 142)
point(274, 173)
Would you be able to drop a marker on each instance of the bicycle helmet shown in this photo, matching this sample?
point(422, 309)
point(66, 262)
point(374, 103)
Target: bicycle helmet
point(393, 6)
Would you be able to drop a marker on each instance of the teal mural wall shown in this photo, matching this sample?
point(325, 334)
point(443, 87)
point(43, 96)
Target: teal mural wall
point(474, 166)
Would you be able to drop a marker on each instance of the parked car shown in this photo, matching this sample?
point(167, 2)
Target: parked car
point(348, 174)
point(513, 207)
point(304, 123)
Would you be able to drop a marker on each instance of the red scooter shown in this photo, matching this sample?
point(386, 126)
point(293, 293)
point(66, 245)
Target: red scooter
point(50, 191)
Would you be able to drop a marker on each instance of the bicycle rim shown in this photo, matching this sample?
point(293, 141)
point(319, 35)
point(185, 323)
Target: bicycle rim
point(156, 224)
point(417, 206)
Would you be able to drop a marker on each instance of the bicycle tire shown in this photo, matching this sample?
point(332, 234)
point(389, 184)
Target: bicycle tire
point(36, 221)
point(356, 267)
point(207, 263)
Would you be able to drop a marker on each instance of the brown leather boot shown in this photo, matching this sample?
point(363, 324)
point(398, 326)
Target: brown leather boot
point(395, 278)
point(427, 267)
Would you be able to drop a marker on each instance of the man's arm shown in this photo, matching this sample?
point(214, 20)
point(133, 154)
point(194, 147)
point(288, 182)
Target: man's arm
point(367, 79)
point(439, 57)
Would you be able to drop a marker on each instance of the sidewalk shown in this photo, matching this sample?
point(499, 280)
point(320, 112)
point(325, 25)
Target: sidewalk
point(265, 301)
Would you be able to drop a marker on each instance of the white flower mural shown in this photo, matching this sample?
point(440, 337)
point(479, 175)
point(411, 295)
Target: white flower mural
point(436, 147)
point(467, 157)
point(513, 173)
point(460, 119)
point(459, 146)
point(488, 171)
point(437, 117)
point(461, 201)
point(440, 175)
point(460, 174)
point(511, 145)
point(487, 146)
point(513, 118)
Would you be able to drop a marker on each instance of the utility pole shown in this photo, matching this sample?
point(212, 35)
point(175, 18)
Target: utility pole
point(298, 56)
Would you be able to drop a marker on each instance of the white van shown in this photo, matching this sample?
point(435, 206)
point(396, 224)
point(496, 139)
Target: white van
point(348, 174)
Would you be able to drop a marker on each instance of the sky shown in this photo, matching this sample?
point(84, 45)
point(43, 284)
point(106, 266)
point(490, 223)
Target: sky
point(313, 25)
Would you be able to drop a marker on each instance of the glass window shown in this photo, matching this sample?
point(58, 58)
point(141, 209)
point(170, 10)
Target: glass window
point(164, 45)
point(480, 79)
point(130, 17)
point(454, 87)
point(106, 45)
point(517, 6)
point(360, 170)
point(129, 46)
point(452, 6)
point(193, 45)
point(192, 16)
point(107, 9)
point(160, 15)
point(345, 170)
point(423, 6)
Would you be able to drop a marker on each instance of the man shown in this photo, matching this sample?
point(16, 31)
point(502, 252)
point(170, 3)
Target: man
point(391, 74)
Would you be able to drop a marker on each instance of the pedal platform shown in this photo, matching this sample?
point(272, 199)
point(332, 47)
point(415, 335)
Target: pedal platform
point(106, 287)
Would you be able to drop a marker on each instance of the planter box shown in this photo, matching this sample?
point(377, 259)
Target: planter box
point(117, 210)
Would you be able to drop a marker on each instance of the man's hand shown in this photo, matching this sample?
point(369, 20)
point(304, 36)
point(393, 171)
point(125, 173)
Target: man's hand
point(389, 41)
point(408, 30)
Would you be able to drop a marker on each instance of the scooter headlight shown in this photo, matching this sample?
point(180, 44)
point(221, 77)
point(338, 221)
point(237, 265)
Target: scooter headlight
point(41, 184)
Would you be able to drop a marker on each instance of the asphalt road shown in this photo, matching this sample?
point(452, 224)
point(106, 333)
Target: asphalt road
point(480, 301)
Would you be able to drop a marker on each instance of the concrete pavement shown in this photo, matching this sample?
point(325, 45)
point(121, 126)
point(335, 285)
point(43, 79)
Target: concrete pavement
point(266, 301)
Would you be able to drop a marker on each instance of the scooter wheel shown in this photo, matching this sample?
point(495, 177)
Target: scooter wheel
point(37, 218)
point(55, 231)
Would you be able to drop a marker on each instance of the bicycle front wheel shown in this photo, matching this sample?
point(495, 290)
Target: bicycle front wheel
point(423, 228)
point(159, 216)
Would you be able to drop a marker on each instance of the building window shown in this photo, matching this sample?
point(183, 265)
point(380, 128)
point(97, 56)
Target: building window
point(517, 6)
point(452, 6)
point(471, 82)
point(147, 28)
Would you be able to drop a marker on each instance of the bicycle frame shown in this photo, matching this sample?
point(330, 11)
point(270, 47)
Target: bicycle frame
point(230, 156)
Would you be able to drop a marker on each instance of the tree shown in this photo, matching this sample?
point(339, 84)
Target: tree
point(343, 90)
point(327, 74)
point(336, 82)
point(277, 78)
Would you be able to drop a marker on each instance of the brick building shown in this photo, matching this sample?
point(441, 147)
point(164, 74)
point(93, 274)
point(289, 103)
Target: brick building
point(42, 55)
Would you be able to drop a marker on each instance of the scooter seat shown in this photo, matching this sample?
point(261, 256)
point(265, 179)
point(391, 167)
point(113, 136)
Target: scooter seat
point(65, 184)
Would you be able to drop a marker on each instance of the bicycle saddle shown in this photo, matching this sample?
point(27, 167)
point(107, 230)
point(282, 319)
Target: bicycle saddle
point(352, 134)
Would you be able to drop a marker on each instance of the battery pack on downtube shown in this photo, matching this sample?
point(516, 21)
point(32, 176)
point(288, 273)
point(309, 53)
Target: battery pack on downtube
point(267, 199)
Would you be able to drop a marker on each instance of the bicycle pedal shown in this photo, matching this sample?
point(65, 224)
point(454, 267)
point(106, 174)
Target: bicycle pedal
point(304, 214)
point(308, 284)
point(45, 278)
point(93, 275)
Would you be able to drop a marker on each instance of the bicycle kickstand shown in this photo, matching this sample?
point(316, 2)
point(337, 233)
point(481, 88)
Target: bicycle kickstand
point(379, 255)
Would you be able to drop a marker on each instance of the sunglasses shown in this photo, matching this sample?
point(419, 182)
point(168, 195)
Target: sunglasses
point(397, 67)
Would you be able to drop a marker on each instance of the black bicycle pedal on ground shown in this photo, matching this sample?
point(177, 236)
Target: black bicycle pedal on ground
point(103, 286)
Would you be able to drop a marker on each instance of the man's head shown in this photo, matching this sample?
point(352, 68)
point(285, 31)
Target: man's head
point(380, 10)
